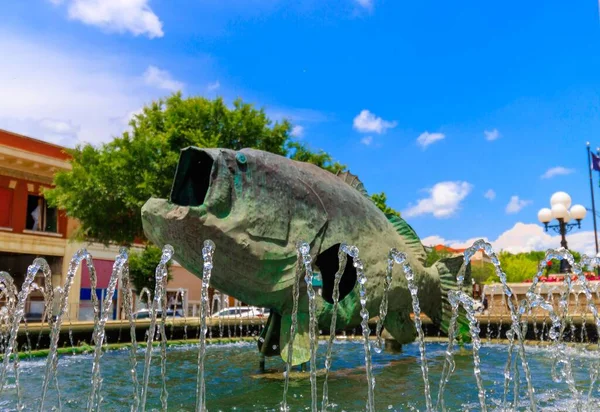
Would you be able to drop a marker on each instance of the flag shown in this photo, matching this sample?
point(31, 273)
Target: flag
point(595, 162)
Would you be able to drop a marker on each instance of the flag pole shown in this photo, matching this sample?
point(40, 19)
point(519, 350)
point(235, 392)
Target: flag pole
point(598, 155)
point(589, 155)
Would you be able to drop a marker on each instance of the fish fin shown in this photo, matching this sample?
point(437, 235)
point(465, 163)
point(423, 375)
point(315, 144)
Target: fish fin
point(400, 326)
point(353, 181)
point(413, 243)
point(268, 342)
point(301, 346)
point(449, 269)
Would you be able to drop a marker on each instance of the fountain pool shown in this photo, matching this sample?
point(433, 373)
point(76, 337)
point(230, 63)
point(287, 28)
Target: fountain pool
point(199, 376)
point(233, 382)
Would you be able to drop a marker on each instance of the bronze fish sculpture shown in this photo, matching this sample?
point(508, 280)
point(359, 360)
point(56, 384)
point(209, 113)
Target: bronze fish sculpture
point(255, 206)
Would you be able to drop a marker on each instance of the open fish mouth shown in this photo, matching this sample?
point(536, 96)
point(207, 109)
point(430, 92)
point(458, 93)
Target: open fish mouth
point(196, 171)
point(166, 220)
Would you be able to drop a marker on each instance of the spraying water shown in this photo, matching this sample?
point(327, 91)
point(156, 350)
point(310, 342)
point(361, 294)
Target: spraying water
point(207, 255)
point(99, 327)
point(293, 328)
point(560, 322)
point(383, 307)
point(159, 292)
point(52, 359)
point(126, 290)
point(19, 312)
point(304, 250)
point(400, 258)
point(8, 291)
point(342, 258)
point(515, 316)
point(353, 252)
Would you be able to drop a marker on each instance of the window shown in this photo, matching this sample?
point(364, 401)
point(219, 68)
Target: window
point(6, 197)
point(40, 217)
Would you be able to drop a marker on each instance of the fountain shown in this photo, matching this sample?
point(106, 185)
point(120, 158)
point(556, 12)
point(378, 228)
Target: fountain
point(248, 224)
point(571, 371)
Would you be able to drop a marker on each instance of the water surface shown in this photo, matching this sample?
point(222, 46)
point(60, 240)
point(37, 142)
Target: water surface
point(233, 382)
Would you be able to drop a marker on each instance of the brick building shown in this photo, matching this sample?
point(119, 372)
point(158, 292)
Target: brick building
point(30, 228)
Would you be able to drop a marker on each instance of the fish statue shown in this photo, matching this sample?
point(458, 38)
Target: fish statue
point(256, 206)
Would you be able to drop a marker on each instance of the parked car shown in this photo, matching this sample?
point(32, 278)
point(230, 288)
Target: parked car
point(241, 311)
point(145, 314)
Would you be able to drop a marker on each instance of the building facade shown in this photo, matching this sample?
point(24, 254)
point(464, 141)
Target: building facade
point(30, 228)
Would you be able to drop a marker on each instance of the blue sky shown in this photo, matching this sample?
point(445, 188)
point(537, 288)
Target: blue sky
point(435, 103)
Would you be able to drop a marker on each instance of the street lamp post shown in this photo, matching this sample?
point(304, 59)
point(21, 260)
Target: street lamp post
point(560, 203)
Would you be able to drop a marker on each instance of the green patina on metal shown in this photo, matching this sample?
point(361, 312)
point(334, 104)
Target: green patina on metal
point(255, 206)
point(238, 184)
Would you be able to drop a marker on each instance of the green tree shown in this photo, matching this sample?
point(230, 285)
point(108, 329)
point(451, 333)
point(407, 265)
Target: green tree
point(483, 272)
point(380, 199)
point(142, 267)
point(302, 153)
point(521, 267)
point(108, 185)
point(434, 255)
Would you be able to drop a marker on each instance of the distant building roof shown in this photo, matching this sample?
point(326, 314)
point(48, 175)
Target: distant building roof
point(31, 159)
point(29, 144)
point(442, 248)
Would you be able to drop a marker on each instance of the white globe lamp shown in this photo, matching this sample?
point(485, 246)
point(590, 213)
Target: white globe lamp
point(578, 212)
point(559, 211)
point(561, 198)
point(545, 215)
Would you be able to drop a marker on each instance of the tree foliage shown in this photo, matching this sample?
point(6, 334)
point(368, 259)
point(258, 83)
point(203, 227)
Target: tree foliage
point(520, 267)
point(380, 200)
point(483, 272)
point(434, 255)
point(108, 185)
point(142, 266)
point(322, 159)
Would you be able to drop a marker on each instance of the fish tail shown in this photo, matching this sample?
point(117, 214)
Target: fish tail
point(449, 269)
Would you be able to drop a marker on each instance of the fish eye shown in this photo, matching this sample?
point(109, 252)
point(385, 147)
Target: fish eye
point(240, 158)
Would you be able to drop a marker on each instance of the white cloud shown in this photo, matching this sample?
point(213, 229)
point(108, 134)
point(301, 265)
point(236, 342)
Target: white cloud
point(76, 97)
point(120, 16)
point(367, 140)
point(426, 138)
point(367, 4)
point(515, 205)
point(557, 171)
point(59, 126)
point(59, 131)
point(435, 240)
point(367, 122)
point(213, 86)
point(161, 79)
point(297, 131)
point(490, 195)
point(443, 201)
point(491, 135)
point(524, 237)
